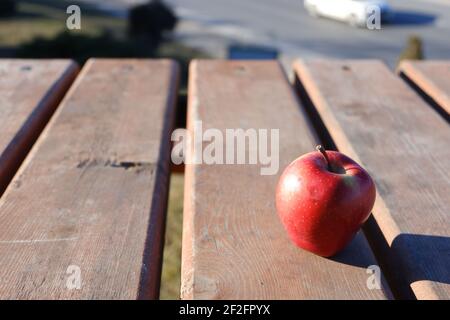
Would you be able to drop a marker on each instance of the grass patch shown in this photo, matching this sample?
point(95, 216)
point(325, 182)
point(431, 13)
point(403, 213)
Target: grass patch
point(171, 272)
point(40, 19)
point(82, 47)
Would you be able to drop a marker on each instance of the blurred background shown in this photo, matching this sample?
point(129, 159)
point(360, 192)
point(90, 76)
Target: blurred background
point(233, 29)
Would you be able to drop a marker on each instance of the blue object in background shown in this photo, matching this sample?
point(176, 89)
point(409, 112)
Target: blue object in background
point(247, 52)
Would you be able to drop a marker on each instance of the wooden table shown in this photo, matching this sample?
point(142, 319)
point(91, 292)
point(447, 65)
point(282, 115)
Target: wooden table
point(85, 170)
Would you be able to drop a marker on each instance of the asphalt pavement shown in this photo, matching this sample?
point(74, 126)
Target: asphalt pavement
point(215, 25)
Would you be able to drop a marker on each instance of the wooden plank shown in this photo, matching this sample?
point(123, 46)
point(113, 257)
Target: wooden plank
point(90, 198)
point(234, 246)
point(431, 79)
point(376, 119)
point(30, 91)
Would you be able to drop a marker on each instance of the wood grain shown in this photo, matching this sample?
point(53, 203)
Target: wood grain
point(30, 91)
point(234, 246)
point(93, 191)
point(431, 78)
point(375, 118)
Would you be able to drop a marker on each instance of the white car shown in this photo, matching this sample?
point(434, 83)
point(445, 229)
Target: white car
point(354, 12)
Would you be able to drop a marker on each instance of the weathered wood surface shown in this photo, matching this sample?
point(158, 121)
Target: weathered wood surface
point(30, 90)
point(92, 194)
point(432, 78)
point(234, 246)
point(375, 118)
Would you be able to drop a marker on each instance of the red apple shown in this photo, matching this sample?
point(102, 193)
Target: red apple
point(323, 198)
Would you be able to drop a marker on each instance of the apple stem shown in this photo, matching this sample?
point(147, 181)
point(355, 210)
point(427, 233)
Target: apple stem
point(322, 150)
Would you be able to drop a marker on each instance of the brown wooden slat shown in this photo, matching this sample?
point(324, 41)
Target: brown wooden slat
point(431, 78)
point(234, 246)
point(93, 191)
point(375, 118)
point(30, 91)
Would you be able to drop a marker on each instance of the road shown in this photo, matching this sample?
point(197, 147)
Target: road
point(284, 24)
